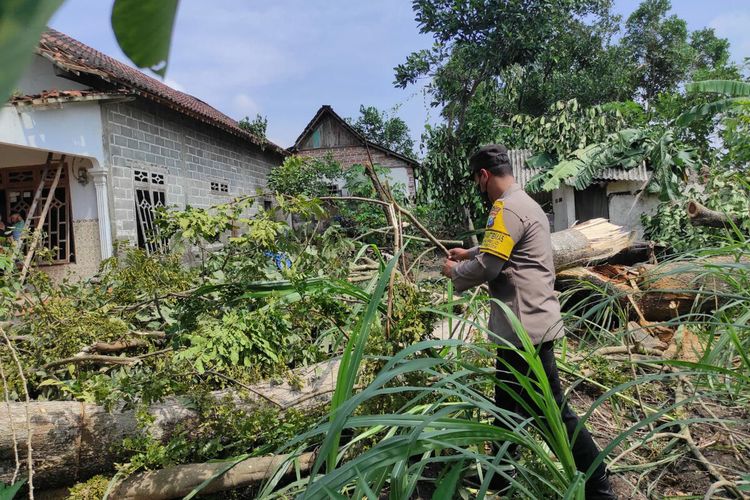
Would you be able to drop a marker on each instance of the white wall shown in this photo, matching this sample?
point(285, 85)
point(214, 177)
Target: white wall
point(75, 129)
point(400, 175)
point(563, 207)
point(625, 210)
point(40, 75)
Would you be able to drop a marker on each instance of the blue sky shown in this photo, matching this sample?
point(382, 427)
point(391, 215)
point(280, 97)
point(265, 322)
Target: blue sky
point(286, 58)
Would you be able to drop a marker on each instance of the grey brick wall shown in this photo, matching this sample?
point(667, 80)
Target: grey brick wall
point(144, 136)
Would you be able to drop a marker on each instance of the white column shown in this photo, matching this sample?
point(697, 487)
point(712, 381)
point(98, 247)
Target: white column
point(102, 209)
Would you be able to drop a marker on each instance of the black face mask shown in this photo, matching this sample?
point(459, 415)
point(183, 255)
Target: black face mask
point(485, 197)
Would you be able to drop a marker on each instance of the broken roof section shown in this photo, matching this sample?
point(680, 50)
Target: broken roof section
point(74, 57)
point(327, 110)
point(523, 172)
point(52, 97)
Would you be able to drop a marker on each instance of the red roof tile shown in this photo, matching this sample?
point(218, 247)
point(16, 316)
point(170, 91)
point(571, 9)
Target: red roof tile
point(73, 56)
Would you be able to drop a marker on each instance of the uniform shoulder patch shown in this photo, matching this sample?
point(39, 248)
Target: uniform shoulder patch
point(496, 239)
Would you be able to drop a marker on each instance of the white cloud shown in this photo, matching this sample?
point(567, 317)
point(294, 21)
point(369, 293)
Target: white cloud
point(243, 105)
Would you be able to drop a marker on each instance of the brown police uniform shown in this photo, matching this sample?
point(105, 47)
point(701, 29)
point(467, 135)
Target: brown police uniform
point(515, 259)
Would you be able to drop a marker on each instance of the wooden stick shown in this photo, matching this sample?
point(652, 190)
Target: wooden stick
point(40, 224)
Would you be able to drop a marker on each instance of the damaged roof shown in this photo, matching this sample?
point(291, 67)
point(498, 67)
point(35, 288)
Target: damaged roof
point(74, 57)
point(51, 97)
point(523, 173)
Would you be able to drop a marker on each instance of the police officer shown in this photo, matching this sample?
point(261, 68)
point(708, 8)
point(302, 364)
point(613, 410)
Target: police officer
point(515, 260)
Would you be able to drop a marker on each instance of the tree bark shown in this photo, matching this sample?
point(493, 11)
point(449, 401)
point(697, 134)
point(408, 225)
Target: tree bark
point(178, 481)
point(73, 441)
point(699, 215)
point(661, 292)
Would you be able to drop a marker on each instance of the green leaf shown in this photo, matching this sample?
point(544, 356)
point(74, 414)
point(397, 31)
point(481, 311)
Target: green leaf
point(7, 492)
point(21, 24)
point(732, 88)
point(144, 31)
point(446, 487)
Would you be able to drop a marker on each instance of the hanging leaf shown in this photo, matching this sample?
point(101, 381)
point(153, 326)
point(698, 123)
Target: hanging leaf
point(144, 31)
point(21, 24)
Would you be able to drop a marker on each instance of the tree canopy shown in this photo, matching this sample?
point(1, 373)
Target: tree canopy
point(388, 131)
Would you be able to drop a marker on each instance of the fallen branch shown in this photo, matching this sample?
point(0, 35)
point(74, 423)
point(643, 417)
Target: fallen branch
point(179, 481)
point(686, 436)
point(92, 358)
point(700, 215)
point(119, 346)
point(103, 360)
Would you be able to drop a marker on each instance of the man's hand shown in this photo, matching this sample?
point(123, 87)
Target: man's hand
point(448, 266)
point(458, 254)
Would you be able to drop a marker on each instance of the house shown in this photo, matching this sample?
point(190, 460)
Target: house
point(126, 143)
point(328, 133)
point(616, 194)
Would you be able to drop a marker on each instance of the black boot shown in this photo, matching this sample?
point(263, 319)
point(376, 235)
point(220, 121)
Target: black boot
point(599, 488)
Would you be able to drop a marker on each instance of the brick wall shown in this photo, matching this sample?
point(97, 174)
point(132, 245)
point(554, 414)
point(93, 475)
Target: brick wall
point(351, 155)
point(144, 136)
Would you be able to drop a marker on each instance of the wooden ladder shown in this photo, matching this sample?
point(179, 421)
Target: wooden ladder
point(38, 220)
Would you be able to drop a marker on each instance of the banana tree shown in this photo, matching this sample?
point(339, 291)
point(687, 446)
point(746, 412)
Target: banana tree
point(667, 158)
point(735, 93)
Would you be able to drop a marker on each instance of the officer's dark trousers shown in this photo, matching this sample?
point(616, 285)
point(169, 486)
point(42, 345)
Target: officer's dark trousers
point(584, 448)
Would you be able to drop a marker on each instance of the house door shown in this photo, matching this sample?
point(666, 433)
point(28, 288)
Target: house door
point(592, 203)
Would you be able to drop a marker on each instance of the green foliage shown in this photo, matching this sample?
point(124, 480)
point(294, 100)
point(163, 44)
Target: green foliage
point(658, 46)
point(389, 132)
point(223, 431)
point(301, 175)
point(735, 136)
point(144, 31)
point(567, 127)
point(359, 218)
point(93, 489)
point(257, 343)
point(21, 24)
point(737, 94)
point(727, 191)
point(257, 126)
point(668, 158)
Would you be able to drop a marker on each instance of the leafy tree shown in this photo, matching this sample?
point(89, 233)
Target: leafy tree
point(659, 48)
point(567, 126)
point(490, 61)
point(256, 127)
point(389, 132)
point(302, 175)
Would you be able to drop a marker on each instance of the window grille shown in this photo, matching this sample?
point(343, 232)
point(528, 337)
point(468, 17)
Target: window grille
point(219, 187)
point(150, 193)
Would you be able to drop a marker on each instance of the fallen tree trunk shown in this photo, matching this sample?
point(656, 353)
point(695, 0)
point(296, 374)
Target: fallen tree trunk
point(179, 481)
point(661, 292)
point(700, 215)
point(593, 240)
point(73, 441)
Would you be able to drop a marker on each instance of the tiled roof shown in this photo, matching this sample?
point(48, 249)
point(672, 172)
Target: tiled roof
point(73, 56)
point(524, 173)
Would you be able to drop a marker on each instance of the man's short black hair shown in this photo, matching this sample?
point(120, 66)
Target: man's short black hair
point(493, 158)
